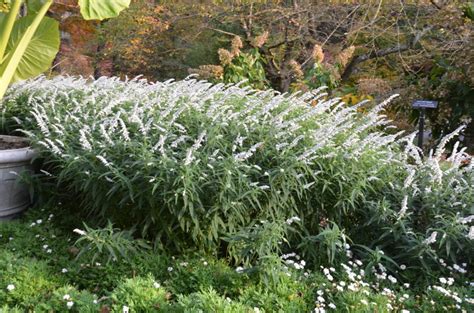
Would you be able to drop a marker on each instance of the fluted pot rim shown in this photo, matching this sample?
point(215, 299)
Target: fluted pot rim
point(17, 154)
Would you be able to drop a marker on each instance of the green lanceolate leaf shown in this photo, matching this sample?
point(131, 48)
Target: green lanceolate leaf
point(102, 9)
point(41, 50)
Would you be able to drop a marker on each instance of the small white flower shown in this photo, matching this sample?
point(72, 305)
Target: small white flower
point(125, 309)
point(431, 239)
point(256, 310)
point(69, 304)
point(66, 297)
point(49, 251)
point(293, 219)
point(170, 269)
point(404, 208)
point(364, 302)
point(443, 280)
point(79, 231)
point(459, 269)
point(10, 287)
point(405, 311)
point(332, 305)
point(45, 247)
point(39, 221)
point(403, 267)
point(64, 270)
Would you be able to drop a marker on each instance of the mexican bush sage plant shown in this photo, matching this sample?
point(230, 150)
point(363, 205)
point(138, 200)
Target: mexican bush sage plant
point(189, 162)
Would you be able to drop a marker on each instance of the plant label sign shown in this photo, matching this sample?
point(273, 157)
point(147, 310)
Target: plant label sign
point(422, 105)
point(425, 104)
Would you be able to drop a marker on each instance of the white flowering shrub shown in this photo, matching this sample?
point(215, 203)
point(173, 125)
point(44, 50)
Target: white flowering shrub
point(189, 162)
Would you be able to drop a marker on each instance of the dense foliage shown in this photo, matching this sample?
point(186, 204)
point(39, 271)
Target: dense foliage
point(191, 163)
point(40, 273)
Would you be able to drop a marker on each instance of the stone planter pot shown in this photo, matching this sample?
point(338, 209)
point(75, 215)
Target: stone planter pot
point(14, 194)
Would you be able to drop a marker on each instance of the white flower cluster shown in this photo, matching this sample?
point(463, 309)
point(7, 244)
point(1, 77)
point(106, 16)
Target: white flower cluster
point(111, 112)
point(100, 119)
point(294, 260)
point(351, 278)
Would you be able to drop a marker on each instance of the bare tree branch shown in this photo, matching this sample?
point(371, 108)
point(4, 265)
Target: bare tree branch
point(382, 52)
point(437, 5)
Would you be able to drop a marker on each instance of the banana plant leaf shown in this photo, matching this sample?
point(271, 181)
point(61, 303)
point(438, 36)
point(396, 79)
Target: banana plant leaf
point(19, 42)
point(41, 50)
point(102, 9)
point(33, 6)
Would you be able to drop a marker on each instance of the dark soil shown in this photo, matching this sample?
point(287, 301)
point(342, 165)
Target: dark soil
point(7, 144)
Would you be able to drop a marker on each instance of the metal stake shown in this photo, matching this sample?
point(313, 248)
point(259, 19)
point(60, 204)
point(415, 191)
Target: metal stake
point(421, 128)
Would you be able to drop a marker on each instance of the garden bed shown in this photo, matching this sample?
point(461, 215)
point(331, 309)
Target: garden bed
point(219, 198)
point(40, 273)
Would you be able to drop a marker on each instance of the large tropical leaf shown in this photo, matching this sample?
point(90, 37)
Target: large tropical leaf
point(41, 50)
point(33, 6)
point(2, 18)
point(102, 9)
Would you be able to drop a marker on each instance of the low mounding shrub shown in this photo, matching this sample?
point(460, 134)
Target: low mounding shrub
point(25, 281)
point(189, 162)
point(140, 294)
